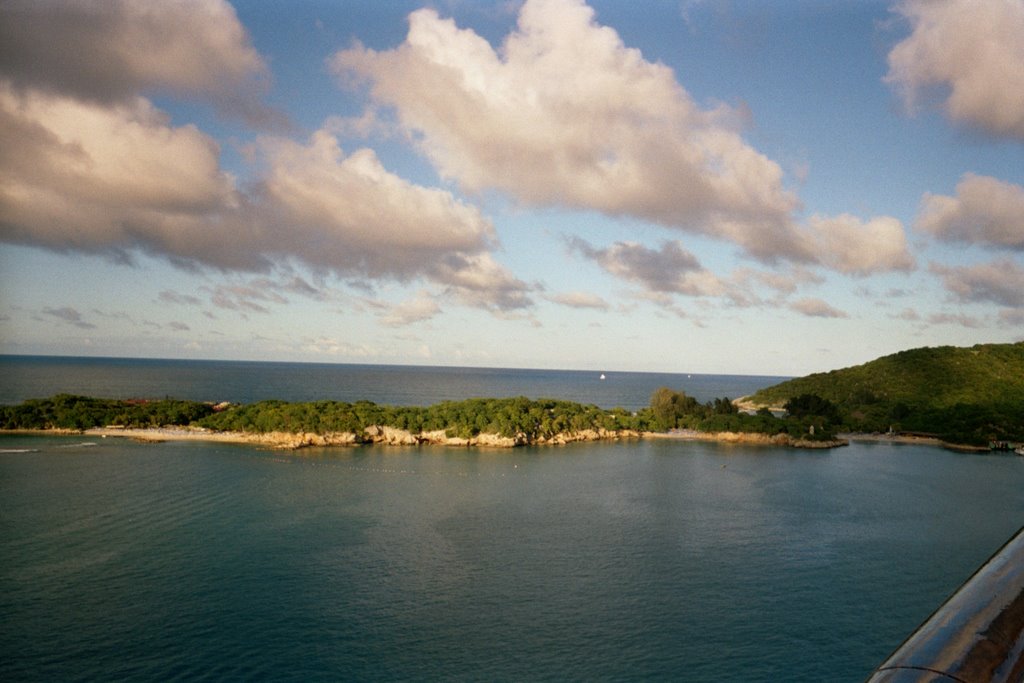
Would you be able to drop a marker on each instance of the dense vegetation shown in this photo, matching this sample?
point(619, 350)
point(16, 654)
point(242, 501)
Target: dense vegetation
point(961, 395)
point(675, 410)
point(65, 411)
point(509, 417)
point(531, 420)
point(506, 417)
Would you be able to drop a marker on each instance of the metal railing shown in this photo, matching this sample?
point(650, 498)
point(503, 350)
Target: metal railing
point(976, 636)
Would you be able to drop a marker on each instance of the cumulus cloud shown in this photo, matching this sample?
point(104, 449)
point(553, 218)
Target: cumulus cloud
point(80, 176)
point(970, 53)
point(567, 115)
point(984, 211)
point(88, 164)
point(1000, 282)
point(118, 179)
point(855, 247)
point(108, 52)
point(349, 214)
point(816, 308)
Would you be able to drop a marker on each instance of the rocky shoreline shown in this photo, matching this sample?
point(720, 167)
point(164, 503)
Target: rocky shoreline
point(375, 435)
point(390, 436)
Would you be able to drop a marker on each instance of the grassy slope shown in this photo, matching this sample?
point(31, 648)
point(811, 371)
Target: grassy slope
point(937, 377)
point(922, 388)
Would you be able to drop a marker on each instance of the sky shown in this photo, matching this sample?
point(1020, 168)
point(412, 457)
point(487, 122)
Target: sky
point(717, 186)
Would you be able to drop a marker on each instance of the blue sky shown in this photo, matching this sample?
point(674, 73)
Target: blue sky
point(702, 186)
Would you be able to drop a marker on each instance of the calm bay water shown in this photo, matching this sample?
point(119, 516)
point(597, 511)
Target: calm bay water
point(638, 560)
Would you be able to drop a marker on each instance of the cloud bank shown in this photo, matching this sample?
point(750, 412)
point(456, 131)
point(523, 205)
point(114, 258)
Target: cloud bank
point(87, 163)
point(970, 55)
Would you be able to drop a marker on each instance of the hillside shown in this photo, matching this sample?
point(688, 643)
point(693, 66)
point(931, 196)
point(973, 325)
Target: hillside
point(966, 394)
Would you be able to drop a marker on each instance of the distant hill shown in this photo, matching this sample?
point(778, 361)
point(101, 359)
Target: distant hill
point(966, 394)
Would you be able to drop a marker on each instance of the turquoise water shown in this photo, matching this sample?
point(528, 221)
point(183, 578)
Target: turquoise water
point(625, 561)
point(641, 560)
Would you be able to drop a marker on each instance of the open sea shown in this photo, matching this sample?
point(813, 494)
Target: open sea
point(633, 560)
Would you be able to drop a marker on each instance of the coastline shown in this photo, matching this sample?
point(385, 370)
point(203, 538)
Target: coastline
point(914, 441)
point(390, 436)
point(747, 438)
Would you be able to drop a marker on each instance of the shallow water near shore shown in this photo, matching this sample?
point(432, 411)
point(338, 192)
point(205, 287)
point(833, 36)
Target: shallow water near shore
point(630, 560)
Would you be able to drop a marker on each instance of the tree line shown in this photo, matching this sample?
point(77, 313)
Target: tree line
point(533, 419)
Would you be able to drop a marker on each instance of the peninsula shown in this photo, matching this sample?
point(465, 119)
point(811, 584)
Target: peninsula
point(502, 423)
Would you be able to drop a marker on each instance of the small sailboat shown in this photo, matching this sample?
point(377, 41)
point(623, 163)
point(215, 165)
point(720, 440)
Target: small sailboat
point(602, 375)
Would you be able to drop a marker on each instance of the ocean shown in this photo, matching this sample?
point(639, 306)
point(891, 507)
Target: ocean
point(27, 377)
point(633, 560)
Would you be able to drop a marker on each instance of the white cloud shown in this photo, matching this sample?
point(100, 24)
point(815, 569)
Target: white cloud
point(852, 246)
point(349, 214)
point(1000, 282)
point(108, 52)
point(88, 164)
point(816, 308)
point(87, 177)
point(567, 115)
point(972, 52)
point(119, 178)
point(985, 211)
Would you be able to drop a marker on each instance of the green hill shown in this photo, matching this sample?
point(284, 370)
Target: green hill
point(967, 395)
